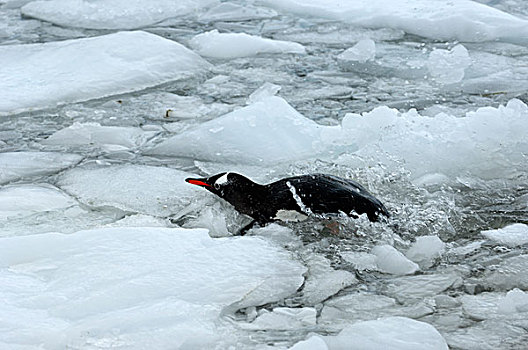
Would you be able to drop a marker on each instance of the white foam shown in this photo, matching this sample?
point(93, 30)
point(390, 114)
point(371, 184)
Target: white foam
point(232, 45)
point(90, 68)
point(111, 14)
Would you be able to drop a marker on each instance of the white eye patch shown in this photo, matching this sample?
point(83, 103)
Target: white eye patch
point(222, 179)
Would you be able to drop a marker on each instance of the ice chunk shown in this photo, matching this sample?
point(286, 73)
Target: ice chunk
point(135, 287)
point(323, 281)
point(509, 274)
point(90, 68)
point(388, 333)
point(515, 301)
point(19, 165)
point(417, 287)
point(315, 342)
point(512, 235)
point(361, 260)
point(478, 144)
point(283, 318)
point(227, 12)
point(149, 190)
point(111, 14)
point(389, 260)
point(24, 200)
point(232, 45)
point(448, 66)
point(108, 137)
point(436, 19)
point(263, 92)
point(487, 335)
point(425, 250)
point(364, 50)
point(272, 131)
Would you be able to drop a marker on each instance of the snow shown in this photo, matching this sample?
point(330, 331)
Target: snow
point(511, 235)
point(448, 66)
point(23, 165)
point(461, 20)
point(364, 50)
point(233, 45)
point(425, 250)
point(111, 14)
point(108, 137)
point(388, 333)
point(135, 287)
point(275, 132)
point(157, 191)
point(389, 260)
point(90, 68)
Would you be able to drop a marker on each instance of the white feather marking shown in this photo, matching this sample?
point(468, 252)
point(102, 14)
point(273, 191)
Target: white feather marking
point(222, 179)
point(289, 215)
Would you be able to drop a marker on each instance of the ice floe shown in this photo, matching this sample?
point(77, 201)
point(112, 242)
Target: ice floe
point(408, 288)
point(23, 165)
point(90, 68)
point(232, 45)
point(477, 144)
point(283, 318)
point(398, 333)
point(508, 274)
point(108, 137)
point(511, 235)
point(156, 191)
point(273, 132)
point(111, 14)
point(227, 12)
point(135, 287)
point(436, 19)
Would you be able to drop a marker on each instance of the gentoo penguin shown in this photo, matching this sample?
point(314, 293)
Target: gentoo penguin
point(293, 198)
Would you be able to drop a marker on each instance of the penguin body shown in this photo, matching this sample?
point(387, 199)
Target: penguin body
point(293, 198)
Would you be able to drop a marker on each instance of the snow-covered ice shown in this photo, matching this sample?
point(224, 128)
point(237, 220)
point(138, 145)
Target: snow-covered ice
point(232, 45)
point(112, 14)
point(398, 333)
point(90, 68)
point(229, 12)
point(462, 20)
point(274, 132)
point(24, 165)
point(511, 235)
point(157, 191)
point(135, 287)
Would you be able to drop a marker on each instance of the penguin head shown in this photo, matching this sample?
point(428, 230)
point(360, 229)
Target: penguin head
point(229, 186)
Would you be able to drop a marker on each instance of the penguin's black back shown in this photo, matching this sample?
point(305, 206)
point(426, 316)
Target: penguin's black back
point(322, 194)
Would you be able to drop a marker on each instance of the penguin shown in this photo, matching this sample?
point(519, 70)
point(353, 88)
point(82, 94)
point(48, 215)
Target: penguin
point(293, 199)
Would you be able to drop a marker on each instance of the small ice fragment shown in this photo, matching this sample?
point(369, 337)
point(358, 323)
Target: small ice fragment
point(389, 260)
point(448, 66)
point(515, 301)
point(425, 250)
point(363, 51)
point(266, 90)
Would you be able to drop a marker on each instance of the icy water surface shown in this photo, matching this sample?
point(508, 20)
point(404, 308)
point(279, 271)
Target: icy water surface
point(102, 134)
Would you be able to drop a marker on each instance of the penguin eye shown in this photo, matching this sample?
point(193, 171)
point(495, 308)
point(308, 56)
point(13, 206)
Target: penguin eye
point(216, 186)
